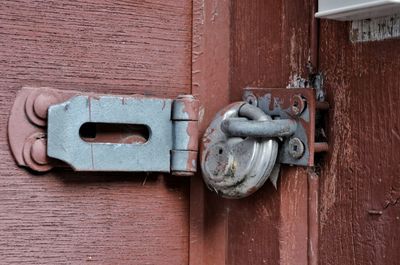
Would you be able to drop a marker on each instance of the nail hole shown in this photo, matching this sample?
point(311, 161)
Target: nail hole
point(220, 151)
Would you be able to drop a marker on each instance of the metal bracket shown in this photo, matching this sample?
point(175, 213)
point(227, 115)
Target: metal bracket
point(298, 105)
point(171, 146)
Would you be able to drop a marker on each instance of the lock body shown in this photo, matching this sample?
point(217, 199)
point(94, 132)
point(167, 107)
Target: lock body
point(235, 166)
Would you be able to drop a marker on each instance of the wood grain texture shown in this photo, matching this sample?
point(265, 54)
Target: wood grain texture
point(121, 47)
point(360, 184)
point(101, 46)
point(270, 47)
point(210, 83)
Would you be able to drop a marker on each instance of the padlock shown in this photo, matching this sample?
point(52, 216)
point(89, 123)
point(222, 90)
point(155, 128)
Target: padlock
point(247, 141)
point(235, 166)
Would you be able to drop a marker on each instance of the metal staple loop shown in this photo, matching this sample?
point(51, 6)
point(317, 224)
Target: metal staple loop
point(262, 129)
point(257, 128)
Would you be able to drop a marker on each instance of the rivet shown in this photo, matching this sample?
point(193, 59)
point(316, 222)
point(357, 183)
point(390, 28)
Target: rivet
point(39, 152)
point(42, 103)
point(251, 99)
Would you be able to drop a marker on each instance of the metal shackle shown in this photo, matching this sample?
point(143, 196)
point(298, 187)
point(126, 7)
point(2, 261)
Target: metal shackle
point(236, 165)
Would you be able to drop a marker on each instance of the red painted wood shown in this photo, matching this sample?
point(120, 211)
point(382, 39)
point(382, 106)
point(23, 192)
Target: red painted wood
point(146, 47)
point(270, 46)
point(360, 184)
point(210, 83)
point(108, 47)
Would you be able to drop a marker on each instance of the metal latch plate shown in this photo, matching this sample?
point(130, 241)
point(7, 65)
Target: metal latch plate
point(297, 104)
point(66, 119)
point(172, 123)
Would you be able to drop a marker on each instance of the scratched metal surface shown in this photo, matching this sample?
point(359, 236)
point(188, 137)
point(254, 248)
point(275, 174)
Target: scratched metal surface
point(120, 47)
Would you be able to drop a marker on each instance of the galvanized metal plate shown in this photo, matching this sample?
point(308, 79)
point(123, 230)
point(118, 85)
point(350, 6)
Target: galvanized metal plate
point(93, 132)
point(65, 143)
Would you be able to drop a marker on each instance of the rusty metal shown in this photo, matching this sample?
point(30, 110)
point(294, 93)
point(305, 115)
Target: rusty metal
point(322, 105)
point(321, 147)
point(296, 148)
point(185, 113)
point(285, 116)
point(299, 106)
point(31, 123)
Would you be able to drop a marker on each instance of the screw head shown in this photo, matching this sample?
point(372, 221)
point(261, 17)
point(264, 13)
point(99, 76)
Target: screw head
point(298, 105)
point(296, 148)
point(251, 99)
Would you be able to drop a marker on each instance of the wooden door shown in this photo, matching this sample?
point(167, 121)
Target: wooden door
point(120, 47)
point(346, 209)
point(360, 183)
point(342, 212)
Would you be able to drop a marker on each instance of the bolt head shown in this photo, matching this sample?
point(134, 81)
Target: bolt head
point(251, 99)
point(296, 148)
point(298, 105)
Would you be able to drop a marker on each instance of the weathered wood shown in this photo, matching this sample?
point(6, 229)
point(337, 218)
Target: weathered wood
point(110, 47)
point(375, 29)
point(210, 83)
point(270, 44)
point(360, 184)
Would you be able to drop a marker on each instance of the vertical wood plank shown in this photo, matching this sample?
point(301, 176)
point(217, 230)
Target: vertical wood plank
point(210, 83)
point(270, 48)
point(360, 187)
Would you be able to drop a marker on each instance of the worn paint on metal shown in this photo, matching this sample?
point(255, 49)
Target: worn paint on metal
point(185, 115)
point(108, 152)
point(66, 119)
point(298, 105)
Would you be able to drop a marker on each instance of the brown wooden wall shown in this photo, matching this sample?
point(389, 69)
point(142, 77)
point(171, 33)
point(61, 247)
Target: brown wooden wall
point(266, 44)
point(160, 48)
point(120, 47)
point(270, 45)
point(360, 183)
